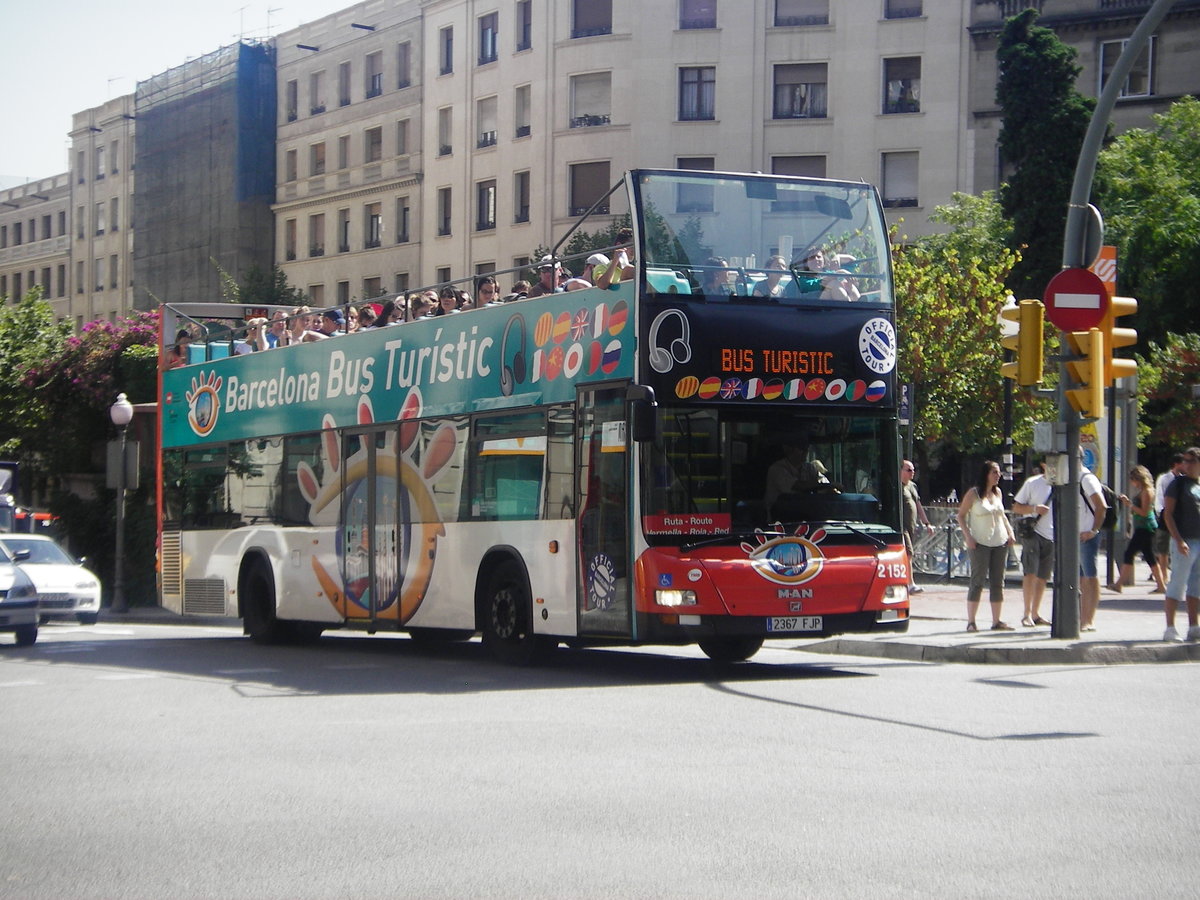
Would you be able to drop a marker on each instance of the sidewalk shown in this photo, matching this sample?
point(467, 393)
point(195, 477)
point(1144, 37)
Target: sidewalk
point(1129, 628)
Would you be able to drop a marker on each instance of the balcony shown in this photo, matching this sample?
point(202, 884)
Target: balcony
point(523, 131)
point(487, 139)
point(374, 92)
point(590, 121)
point(594, 31)
point(801, 21)
point(704, 22)
point(485, 58)
point(404, 82)
point(290, 254)
point(292, 115)
point(899, 202)
point(317, 110)
point(485, 226)
point(371, 244)
point(316, 250)
point(445, 150)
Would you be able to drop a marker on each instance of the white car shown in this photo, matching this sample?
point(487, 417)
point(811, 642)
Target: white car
point(18, 602)
point(65, 588)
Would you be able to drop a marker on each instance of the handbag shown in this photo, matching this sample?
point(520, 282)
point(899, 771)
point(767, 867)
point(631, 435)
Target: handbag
point(1026, 527)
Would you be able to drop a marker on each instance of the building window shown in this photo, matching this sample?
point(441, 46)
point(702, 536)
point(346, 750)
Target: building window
point(316, 159)
point(81, 166)
point(100, 170)
point(16, 286)
point(316, 296)
point(402, 137)
point(589, 182)
point(524, 24)
point(80, 224)
point(443, 211)
point(445, 122)
point(373, 144)
point(446, 51)
point(79, 275)
point(289, 165)
point(488, 47)
point(442, 275)
point(3, 239)
point(344, 151)
point(114, 158)
point(114, 215)
point(899, 181)
point(113, 267)
point(1139, 82)
point(62, 282)
point(801, 12)
point(697, 93)
point(372, 225)
point(372, 287)
point(373, 83)
point(344, 84)
point(485, 205)
point(403, 65)
point(901, 9)
point(401, 282)
point(62, 222)
point(343, 293)
point(343, 231)
point(801, 91)
point(521, 106)
point(521, 197)
point(289, 239)
point(291, 100)
point(697, 14)
point(316, 93)
point(902, 85)
point(796, 166)
point(99, 218)
point(98, 272)
point(402, 213)
point(46, 224)
point(695, 197)
point(316, 235)
point(485, 115)
point(591, 17)
point(591, 99)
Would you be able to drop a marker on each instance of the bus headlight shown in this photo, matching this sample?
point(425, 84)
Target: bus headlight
point(675, 598)
point(895, 593)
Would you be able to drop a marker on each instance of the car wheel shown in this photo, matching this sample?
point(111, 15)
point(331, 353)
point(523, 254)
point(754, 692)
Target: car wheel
point(88, 618)
point(26, 635)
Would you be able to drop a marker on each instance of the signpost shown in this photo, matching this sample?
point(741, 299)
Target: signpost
point(1076, 300)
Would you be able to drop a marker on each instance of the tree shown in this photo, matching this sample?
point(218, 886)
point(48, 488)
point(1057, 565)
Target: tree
point(1169, 414)
point(949, 291)
point(1148, 185)
point(260, 288)
point(1045, 120)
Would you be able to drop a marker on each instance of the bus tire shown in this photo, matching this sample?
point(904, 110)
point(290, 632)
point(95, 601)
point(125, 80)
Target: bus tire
point(257, 590)
point(730, 649)
point(506, 618)
point(436, 637)
point(26, 635)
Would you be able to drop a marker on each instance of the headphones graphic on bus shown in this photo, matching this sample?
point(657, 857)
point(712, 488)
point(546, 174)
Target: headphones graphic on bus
point(663, 359)
point(514, 374)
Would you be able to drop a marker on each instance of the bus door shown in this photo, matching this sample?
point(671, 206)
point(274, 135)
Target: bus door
point(367, 540)
point(602, 527)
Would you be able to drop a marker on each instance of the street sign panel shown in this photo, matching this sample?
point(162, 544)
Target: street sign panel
point(1076, 300)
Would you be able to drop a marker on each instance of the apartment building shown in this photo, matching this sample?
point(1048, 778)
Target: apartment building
point(35, 239)
point(101, 213)
point(424, 141)
point(1098, 30)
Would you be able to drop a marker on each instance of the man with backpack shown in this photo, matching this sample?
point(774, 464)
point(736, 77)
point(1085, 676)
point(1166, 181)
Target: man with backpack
point(1092, 509)
point(1182, 513)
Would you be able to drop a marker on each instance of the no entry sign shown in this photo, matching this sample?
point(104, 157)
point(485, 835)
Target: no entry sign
point(1075, 300)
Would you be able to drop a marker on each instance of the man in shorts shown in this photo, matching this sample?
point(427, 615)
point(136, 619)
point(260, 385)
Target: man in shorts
point(1162, 537)
point(1182, 512)
point(1092, 507)
point(1037, 552)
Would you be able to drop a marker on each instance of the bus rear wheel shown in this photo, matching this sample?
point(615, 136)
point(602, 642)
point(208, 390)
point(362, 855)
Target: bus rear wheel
point(507, 618)
point(730, 649)
point(258, 606)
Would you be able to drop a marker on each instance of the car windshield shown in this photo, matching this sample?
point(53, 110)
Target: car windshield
point(46, 552)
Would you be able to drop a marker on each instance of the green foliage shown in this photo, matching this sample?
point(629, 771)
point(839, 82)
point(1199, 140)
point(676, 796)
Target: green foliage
point(1148, 185)
point(1169, 415)
point(259, 287)
point(949, 291)
point(29, 337)
point(1045, 120)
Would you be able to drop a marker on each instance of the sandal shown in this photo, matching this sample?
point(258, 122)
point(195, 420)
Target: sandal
point(1040, 621)
point(1027, 622)
point(1002, 626)
point(971, 626)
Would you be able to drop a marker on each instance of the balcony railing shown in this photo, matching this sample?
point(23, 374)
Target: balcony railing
point(581, 210)
point(316, 250)
point(898, 202)
point(801, 21)
point(290, 255)
point(588, 121)
point(594, 31)
point(703, 22)
point(485, 226)
point(371, 244)
point(445, 150)
point(523, 131)
point(316, 110)
point(487, 139)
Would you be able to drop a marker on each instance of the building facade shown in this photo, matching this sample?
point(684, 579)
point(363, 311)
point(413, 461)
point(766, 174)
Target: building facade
point(35, 240)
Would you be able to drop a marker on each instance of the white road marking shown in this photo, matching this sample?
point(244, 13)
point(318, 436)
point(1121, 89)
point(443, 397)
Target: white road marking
point(7, 684)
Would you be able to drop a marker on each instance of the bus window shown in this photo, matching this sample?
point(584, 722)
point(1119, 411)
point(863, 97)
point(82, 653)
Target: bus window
point(508, 461)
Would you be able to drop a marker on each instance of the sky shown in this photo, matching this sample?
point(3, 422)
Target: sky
point(64, 56)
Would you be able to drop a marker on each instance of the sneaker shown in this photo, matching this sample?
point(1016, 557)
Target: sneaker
point(1194, 633)
point(1171, 635)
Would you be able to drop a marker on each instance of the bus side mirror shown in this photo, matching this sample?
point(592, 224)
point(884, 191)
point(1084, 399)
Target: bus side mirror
point(643, 413)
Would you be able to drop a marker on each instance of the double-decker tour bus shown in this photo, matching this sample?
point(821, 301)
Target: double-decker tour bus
point(701, 448)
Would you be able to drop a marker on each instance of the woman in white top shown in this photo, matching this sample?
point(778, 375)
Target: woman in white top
point(989, 535)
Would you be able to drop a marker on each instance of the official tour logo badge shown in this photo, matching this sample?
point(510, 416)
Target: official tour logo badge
point(877, 345)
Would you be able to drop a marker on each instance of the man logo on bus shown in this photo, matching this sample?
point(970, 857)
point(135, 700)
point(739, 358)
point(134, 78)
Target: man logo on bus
point(204, 403)
point(406, 523)
point(787, 558)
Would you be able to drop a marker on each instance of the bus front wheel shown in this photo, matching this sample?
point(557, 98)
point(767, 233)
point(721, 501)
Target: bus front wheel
point(730, 649)
point(507, 622)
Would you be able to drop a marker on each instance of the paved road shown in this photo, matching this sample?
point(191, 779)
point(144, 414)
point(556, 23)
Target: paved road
point(169, 761)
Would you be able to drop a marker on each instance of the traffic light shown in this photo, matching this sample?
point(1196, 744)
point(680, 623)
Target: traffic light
point(1088, 372)
point(1026, 343)
point(1116, 367)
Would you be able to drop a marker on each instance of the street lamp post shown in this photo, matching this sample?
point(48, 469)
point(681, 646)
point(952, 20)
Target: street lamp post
point(121, 414)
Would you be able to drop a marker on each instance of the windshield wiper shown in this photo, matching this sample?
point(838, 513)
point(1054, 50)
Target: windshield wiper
point(733, 536)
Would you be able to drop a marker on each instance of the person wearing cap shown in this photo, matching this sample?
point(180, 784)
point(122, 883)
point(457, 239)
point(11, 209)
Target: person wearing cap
point(333, 322)
point(594, 262)
point(622, 264)
point(550, 276)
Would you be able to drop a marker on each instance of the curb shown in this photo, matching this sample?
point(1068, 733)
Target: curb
point(1090, 652)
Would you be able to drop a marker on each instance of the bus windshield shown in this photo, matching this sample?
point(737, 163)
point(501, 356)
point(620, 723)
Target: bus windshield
point(724, 469)
point(792, 242)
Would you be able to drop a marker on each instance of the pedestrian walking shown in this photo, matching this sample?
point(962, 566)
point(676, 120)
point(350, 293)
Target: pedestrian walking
point(1033, 501)
point(1092, 508)
point(914, 512)
point(1181, 509)
point(1145, 524)
point(989, 535)
point(1162, 536)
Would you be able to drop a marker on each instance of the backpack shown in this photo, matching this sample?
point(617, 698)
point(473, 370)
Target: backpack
point(1110, 498)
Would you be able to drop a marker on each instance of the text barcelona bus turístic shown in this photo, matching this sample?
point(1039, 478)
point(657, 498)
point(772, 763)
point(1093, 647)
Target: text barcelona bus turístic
point(703, 452)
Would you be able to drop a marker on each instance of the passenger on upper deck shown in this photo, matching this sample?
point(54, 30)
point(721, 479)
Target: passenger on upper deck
point(827, 283)
point(718, 277)
point(774, 286)
point(621, 267)
point(366, 316)
point(550, 277)
point(333, 322)
point(486, 290)
point(177, 353)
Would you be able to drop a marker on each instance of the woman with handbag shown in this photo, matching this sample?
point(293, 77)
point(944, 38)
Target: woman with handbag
point(1141, 540)
point(988, 534)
